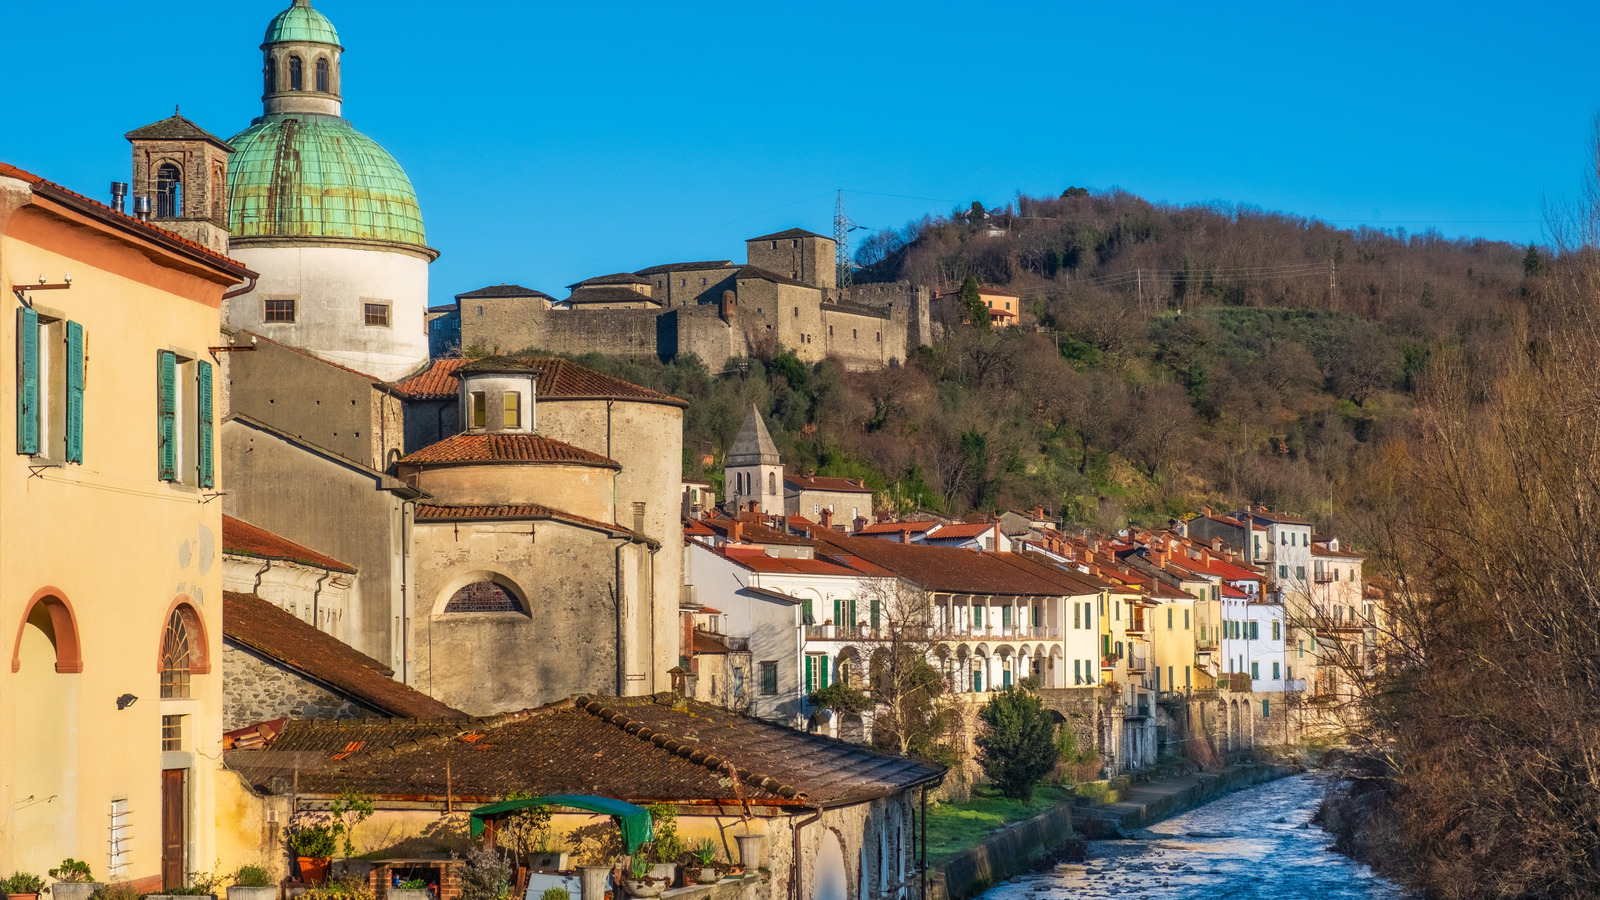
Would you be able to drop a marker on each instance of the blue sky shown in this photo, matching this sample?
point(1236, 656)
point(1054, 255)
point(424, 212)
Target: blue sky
point(550, 142)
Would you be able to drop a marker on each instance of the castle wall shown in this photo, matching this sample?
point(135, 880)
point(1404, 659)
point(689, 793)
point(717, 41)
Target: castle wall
point(513, 325)
point(691, 287)
point(862, 340)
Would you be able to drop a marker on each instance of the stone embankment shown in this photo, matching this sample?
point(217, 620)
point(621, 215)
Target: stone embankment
point(1022, 846)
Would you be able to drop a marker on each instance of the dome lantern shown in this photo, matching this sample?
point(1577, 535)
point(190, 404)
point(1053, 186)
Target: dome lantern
point(300, 62)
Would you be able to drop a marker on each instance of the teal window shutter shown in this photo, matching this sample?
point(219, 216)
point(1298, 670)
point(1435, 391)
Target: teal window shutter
point(1005, 617)
point(822, 663)
point(74, 392)
point(1038, 616)
point(805, 612)
point(876, 607)
point(811, 674)
point(167, 413)
point(208, 471)
point(853, 619)
point(27, 381)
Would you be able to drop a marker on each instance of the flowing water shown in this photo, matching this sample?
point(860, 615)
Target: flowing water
point(1256, 843)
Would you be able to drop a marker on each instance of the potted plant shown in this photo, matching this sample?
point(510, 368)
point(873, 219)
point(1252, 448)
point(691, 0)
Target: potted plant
point(410, 889)
point(667, 848)
point(117, 890)
point(73, 880)
point(252, 883)
point(313, 846)
point(556, 893)
point(201, 884)
point(750, 850)
point(22, 886)
point(641, 882)
point(705, 853)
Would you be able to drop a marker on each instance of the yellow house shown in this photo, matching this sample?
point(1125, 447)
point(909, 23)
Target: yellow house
point(110, 569)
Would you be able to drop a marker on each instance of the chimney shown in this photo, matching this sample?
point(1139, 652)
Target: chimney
point(885, 515)
point(119, 194)
point(736, 532)
point(1205, 510)
point(827, 518)
point(726, 310)
point(1159, 557)
point(859, 523)
point(754, 506)
point(141, 208)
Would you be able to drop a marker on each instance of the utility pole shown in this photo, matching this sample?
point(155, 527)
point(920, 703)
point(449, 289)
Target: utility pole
point(1333, 282)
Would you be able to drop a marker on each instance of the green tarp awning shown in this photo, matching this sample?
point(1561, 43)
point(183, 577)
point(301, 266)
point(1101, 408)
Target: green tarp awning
point(635, 819)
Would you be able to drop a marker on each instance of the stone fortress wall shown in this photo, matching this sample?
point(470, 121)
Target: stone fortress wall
point(720, 310)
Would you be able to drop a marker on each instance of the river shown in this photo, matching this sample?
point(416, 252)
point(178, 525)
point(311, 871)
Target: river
point(1256, 843)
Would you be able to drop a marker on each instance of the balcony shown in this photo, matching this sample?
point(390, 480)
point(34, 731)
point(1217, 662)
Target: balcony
point(1237, 682)
point(841, 632)
point(1295, 684)
point(1136, 625)
point(1137, 659)
point(1323, 578)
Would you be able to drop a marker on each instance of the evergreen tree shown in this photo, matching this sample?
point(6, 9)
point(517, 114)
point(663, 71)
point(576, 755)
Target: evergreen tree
point(1017, 746)
point(972, 304)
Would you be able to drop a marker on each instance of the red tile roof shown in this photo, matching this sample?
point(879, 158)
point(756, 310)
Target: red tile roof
point(633, 749)
point(254, 624)
point(525, 448)
point(958, 570)
point(243, 539)
point(754, 532)
point(441, 512)
point(898, 528)
point(559, 379)
point(123, 220)
point(823, 483)
point(963, 530)
point(705, 643)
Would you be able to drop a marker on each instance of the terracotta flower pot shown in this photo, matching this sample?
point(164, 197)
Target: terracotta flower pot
point(314, 869)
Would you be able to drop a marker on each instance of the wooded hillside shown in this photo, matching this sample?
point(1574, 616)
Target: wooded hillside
point(1167, 357)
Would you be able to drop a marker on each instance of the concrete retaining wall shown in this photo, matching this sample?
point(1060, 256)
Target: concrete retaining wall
point(1010, 851)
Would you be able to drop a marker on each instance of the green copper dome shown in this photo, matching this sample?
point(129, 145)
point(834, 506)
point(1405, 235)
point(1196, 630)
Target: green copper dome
point(301, 23)
point(313, 176)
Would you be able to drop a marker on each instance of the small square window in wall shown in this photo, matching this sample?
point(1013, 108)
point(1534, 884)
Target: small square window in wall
point(376, 314)
point(171, 734)
point(281, 311)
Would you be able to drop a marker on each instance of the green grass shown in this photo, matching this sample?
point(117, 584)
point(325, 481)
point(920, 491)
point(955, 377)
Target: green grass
point(953, 827)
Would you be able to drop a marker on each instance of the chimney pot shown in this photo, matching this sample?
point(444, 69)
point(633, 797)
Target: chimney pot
point(736, 532)
point(827, 518)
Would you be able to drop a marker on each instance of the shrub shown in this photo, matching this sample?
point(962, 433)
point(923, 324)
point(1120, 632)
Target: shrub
point(485, 876)
point(340, 889)
point(555, 893)
point(252, 876)
point(313, 841)
point(72, 871)
point(120, 890)
point(22, 883)
point(1017, 747)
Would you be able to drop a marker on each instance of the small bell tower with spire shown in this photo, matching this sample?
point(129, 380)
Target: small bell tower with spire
point(753, 471)
point(182, 171)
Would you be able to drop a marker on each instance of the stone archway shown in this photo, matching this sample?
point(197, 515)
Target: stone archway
point(832, 882)
point(46, 660)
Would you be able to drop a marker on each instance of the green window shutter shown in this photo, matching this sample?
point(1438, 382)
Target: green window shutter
point(167, 413)
point(811, 674)
point(853, 618)
point(876, 612)
point(74, 392)
point(1038, 616)
point(27, 381)
point(1005, 617)
point(208, 473)
point(822, 663)
point(805, 611)
point(1105, 645)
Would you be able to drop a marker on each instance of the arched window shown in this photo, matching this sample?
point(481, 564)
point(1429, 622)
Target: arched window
point(483, 596)
point(169, 191)
point(52, 616)
point(322, 75)
point(296, 74)
point(176, 658)
point(272, 75)
point(772, 482)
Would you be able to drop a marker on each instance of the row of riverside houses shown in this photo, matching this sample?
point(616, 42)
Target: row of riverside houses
point(261, 549)
point(1218, 634)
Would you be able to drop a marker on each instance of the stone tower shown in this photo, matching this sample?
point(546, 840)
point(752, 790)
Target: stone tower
point(326, 215)
point(804, 256)
point(183, 170)
point(753, 470)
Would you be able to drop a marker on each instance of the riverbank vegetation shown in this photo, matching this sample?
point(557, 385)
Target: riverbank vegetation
point(954, 827)
point(1480, 776)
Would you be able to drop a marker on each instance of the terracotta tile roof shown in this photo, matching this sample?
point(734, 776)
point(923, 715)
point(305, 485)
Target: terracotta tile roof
point(824, 483)
point(787, 234)
point(251, 622)
point(709, 644)
point(754, 532)
point(441, 512)
point(962, 530)
point(633, 749)
point(608, 294)
point(953, 569)
point(756, 561)
point(497, 447)
point(898, 527)
point(101, 211)
point(616, 278)
point(697, 528)
point(243, 539)
point(689, 267)
point(502, 290)
point(558, 379)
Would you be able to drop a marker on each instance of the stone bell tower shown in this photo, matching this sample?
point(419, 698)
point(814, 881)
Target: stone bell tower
point(753, 470)
point(181, 171)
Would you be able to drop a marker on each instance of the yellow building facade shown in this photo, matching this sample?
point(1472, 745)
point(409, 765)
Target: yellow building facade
point(110, 565)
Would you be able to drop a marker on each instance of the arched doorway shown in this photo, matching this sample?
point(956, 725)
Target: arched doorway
point(832, 882)
point(46, 663)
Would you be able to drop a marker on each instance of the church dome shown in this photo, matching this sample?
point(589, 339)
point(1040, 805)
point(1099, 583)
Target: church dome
point(301, 23)
point(315, 176)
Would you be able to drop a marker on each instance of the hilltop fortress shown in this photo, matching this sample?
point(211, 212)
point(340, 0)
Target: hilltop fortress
point(785, 297)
